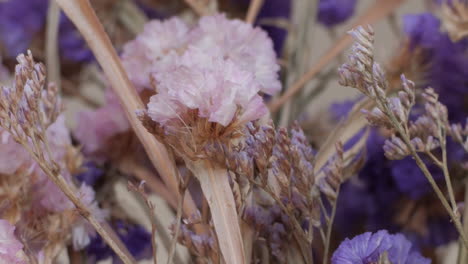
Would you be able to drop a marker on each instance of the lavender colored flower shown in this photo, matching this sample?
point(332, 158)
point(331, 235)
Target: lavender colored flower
point(20, 21)
point(10, 247)
point(368, 247)
point(91, 174)
point(410, 180)
point(334, 12)
point(72, 45)
point(135, 237)
point(447, 61)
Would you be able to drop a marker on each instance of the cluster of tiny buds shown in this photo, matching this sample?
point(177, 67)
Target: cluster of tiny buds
point(29, 106)
point(333, 175)
point(200, 245)
point(460, 134)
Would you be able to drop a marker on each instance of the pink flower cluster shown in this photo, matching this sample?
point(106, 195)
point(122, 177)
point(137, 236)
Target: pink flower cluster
point(10, 248)
point(217, 67)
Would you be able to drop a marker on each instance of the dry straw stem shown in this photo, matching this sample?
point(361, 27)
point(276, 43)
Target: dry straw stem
point(253, 10)
point(376, 12)
point(52, 50)
point(214, 181)
point(111, 239)
point(198, 7)
point(343, 132)
point(85, 19)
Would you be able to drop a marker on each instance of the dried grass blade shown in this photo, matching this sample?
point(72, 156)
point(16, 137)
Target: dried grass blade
point(85, 19)
point(343, 132)
point(214, 182)
point(376, 12)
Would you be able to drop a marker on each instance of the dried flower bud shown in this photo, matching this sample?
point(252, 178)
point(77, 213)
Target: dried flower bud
point(433, 107)
point(409, 97)
point(377, 118)
point(395, 148)
point(426, 145)
point(358, 73)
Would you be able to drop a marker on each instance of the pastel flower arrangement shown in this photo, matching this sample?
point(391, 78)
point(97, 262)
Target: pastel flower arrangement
point(201, 149)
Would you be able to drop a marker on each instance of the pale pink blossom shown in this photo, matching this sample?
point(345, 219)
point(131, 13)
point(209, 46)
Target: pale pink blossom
point(12, 155)
point(248, 47)
point(143, 55)
point(96, 127)
point(10, 247)
point(215, 86)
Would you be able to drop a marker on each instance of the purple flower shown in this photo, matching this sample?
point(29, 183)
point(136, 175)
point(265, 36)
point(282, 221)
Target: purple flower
point(91, 174)
point(368, 247)
point(447, 61)
point(135, 237)
point(334, 12)
point(20, 20)
point(410, 180)
point(72, 45)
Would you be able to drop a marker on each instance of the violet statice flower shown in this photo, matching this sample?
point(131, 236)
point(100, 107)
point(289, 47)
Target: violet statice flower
point(334, 12)
point(72, 45)
point(447, 61)
point(135, 237)
point(368, 247)
point(91, 174)
point(11, 250)
point(20, 21)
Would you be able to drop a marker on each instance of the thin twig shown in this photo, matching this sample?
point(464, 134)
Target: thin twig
point(448, 181)
point(131, 167)
point(405, 137)
point(198, 7)
point(330, 228)
point(140, 190)
point(376, 12)
point(183, 190)
point(51, 45)
point(254, 9)
point(58, 179)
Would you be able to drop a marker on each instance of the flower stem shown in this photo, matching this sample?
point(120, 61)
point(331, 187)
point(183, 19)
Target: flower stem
point(214, 181)
point(330, 228)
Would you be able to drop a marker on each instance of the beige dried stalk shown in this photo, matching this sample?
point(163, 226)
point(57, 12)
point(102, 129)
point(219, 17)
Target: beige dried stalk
point(254, 9)
point(83, 16)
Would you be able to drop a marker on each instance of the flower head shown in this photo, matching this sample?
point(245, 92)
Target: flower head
point(217, 88)
point(368, 247)
point(248, 47)
point(147, 52)
point(162, 42)
point(334, 12)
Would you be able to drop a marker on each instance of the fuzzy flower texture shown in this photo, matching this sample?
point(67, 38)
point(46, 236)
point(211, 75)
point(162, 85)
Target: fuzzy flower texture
point(216, 68)
point(368, 248)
